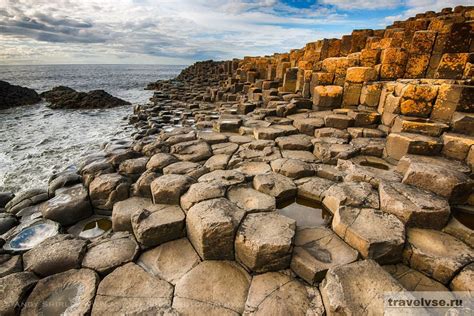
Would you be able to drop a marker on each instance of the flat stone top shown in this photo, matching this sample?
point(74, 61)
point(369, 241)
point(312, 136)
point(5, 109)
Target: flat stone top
point(268, 228)
point(438, 244)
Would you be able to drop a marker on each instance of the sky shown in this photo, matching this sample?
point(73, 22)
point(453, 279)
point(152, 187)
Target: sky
point(181, 32)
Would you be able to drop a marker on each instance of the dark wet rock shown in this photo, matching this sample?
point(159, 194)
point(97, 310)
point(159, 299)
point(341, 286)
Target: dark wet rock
point(7, 221)
point(5, 197)
point(106, 254)
point(130, 290)
point(10, 264)
point(11, 95)
point(264, 242)
point(54, 255)
point(71, 292)
point(66, 98)
point(14, 289)
point(69, 206)
point(62, 180)
point(25, 199)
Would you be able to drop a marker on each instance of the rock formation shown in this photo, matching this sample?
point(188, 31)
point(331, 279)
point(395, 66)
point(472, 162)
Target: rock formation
point(11, 95)
point(66, 98)
point(374, 133)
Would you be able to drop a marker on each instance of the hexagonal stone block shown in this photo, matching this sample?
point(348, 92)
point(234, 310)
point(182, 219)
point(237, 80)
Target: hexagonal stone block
point(413, 206)
point(268, 133)
point(54, 255)
point(107, 189)
point(123, 211)
point(69, 206)
point(201, 191)
point(317, 250)
point(67, 292)
point(211, 227)
point(14, 289)
point(342, 289)
point(278, 293)
point(158, 224)
point(159, 161)
point(436, 254)
point(168, 188)
point(376, 235)
point(292, 168)
point(274, 184)
point(192, 151)
point(400, 144)
point(442, 180)
point(413, 280)
point(313, 188)
point(212, 288)
point(171, 260)
point(223, 177)
point(350, 194)
point(294, 142)
point(253, 168)
point(250, 200)
point(131, 290)
point(10, 264)
point(105, 254)
point(264, 242)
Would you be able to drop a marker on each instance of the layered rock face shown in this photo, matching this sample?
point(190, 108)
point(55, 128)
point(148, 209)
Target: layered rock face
point(67, 98)
point(11, 95)
point(305, 183)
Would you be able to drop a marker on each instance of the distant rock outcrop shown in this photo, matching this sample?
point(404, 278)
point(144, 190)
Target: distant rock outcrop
point(66, 98)
point(11, 95)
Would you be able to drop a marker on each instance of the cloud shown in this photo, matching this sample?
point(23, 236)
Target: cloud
point(169, 31)
point(363, 4)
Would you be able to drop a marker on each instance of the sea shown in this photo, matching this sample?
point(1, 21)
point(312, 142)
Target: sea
point(36, 141)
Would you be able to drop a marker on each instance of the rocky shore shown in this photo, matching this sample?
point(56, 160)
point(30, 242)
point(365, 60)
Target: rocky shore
point(68, 98)
point(306, 183)
point(11, 95)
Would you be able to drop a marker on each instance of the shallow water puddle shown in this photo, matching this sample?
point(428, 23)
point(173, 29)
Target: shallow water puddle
point(305, 212)
point(31, 236)
point(96, 228)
